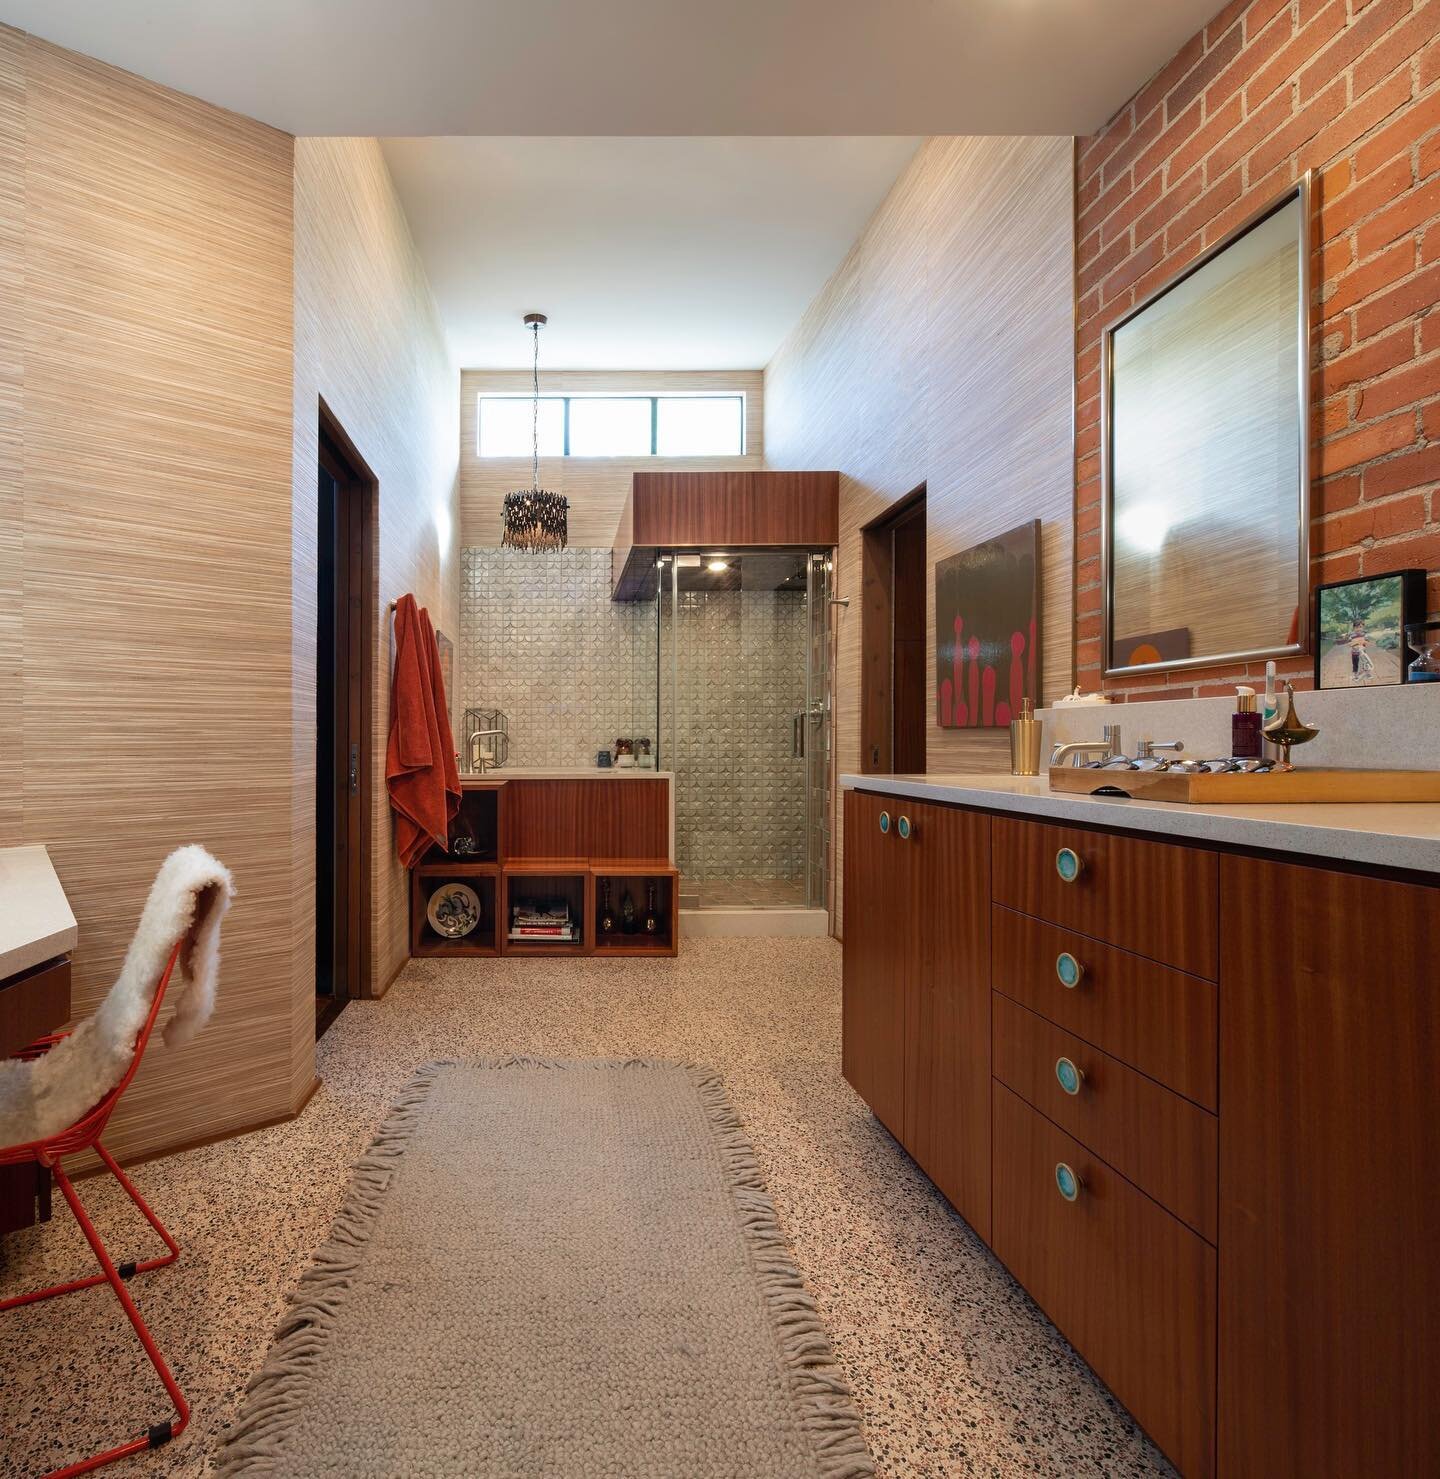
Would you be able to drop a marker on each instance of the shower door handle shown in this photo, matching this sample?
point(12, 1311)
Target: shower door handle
point(797, 735)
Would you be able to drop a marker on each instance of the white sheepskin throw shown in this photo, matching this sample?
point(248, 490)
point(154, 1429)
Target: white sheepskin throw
point(187, 901)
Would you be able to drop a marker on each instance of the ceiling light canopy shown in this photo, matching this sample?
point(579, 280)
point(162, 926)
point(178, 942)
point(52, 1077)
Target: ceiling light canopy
point(533, 518)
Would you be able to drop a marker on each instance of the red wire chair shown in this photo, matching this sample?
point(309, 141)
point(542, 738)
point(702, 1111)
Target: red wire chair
point(85, 1134)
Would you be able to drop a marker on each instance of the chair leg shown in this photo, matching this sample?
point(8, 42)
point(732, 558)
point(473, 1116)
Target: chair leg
point(126, 1270)
point(170, 1428)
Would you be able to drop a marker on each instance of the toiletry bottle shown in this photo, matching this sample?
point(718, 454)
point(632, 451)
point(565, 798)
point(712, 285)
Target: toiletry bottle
point(1025, 733)
point(1246, 740)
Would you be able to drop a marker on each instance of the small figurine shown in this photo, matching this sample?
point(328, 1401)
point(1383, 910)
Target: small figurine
point(1287, 729)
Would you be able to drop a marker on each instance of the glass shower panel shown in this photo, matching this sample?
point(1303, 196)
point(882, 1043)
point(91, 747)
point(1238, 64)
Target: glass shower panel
point(644, 637)
point(744, 724)
point(771, 784)
point(817, 730)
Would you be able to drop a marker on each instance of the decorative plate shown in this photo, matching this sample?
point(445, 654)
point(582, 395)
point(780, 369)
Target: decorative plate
point(454, 910)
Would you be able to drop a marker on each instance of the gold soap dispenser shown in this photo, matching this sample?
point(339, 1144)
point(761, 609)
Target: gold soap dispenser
point(1025, 733)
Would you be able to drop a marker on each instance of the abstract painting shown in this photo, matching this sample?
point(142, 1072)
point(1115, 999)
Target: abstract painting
point(987, 630)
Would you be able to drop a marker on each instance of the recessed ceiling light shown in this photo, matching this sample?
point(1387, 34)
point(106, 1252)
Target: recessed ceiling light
point(716, 566)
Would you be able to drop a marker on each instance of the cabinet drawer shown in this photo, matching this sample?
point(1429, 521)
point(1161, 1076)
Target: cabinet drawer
point(1132, 1289)
point(1156, 1019)
point(1167, 1146)
point(1151, 897)
point(33, 1003)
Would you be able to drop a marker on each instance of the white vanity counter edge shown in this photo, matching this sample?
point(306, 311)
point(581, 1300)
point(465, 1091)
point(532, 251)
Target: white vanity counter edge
point(1395, 835)
point(35, 919)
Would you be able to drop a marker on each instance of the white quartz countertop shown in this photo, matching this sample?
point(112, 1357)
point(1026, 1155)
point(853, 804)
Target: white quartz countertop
point(1392, 835)
point(35, 919)
point(565, 773)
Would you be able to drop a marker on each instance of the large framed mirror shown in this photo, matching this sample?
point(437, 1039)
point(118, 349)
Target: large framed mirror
point(1205, 519)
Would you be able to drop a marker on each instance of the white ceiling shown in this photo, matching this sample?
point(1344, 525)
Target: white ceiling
point(648, 254)
point(640, 67)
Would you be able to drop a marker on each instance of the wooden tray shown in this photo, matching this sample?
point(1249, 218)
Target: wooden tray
point(1268, 788)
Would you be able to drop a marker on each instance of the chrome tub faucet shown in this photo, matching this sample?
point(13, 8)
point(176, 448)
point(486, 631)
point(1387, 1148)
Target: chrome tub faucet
point(477, 762)
point(1105, 750)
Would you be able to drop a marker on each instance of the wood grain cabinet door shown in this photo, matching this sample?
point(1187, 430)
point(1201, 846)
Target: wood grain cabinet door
point(1329, 1173)
point(947, 1057)
point(1129, 1286)
point(878, 942)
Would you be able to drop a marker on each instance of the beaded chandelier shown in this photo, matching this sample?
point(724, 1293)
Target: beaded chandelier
point(533, 518)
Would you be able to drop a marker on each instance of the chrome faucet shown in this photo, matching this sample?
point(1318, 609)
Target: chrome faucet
point(1103, 749)
point(1146, 749)
point(477, 762)
point(1146, 757)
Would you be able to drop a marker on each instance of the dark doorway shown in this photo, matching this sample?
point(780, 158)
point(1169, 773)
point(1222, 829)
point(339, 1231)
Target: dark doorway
point(343, 666)
point(892, 640)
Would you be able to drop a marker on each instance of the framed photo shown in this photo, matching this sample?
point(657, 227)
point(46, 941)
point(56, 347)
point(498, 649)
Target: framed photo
point(1360, 629)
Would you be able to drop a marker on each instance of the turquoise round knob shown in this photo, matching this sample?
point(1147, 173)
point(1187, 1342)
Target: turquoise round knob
point(1067, 1182)
point(884, 821)
point(1068, 969)
point(1069, 1075)
point(903, 828)
point(1068, 864)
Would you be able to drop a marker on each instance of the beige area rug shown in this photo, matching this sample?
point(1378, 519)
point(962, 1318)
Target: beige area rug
point(550, 1269)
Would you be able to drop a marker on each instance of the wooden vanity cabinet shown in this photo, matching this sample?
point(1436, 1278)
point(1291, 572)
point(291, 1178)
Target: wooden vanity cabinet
point(1216, 1115)
point(947, 1054)
point(879, 881)
point(1329, 1173)
point(916, 1041)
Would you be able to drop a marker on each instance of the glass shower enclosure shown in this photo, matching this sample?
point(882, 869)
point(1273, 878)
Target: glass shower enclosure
point(743, 660)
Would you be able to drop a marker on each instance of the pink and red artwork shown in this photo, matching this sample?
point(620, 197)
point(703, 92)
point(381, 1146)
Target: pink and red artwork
point(987, 630)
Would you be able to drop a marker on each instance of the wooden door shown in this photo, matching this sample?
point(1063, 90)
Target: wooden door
point(910, 695)
point(879, 903)
point(1329, 1192)
point(893, 692)
point(344, 664)
point(947, 1058)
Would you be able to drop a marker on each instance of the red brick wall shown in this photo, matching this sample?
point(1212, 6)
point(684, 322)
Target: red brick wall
point(1270, 88)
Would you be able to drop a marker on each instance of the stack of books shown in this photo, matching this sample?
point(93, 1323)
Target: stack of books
point(545, 923)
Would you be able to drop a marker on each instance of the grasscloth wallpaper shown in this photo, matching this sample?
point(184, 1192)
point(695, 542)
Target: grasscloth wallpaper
point(368, 340)
point(145, 469)
point(178, 288)
point(12, 402)
point(939, 353)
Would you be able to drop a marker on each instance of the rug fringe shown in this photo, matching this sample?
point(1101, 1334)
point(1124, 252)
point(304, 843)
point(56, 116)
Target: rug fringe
point(824, 1404)
point(279, 1390)
point(823, 1401)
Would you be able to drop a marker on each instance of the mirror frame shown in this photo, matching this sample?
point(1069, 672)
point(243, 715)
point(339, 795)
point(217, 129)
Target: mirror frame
point(1301, 191)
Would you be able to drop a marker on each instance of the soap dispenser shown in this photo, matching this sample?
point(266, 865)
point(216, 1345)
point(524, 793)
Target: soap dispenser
point(1246, 739)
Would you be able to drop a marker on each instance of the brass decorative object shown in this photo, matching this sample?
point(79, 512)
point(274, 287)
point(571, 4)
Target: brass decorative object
point(1287, 729)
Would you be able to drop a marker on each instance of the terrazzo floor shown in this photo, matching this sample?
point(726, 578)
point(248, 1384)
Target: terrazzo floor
point(956, 1371)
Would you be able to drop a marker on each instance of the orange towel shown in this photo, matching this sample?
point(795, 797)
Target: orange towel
point(420, 771)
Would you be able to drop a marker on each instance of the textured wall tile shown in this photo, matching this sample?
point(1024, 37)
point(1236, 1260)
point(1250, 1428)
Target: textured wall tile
point(572, 670)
